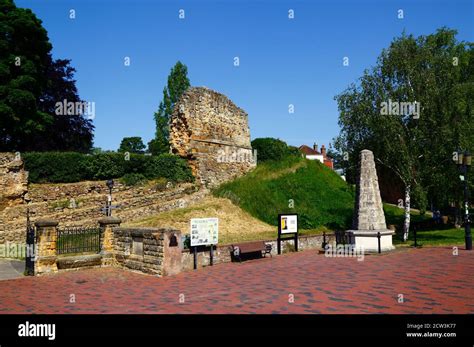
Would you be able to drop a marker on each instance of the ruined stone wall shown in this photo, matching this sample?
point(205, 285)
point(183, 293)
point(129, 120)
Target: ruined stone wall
point(79, 204)
point(13, 193)
point(212, 133)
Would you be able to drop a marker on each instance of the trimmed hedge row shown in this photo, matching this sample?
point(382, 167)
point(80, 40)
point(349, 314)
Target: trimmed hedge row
point(67, 167)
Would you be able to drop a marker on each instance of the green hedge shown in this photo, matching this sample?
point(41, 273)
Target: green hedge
point(269, 148)
point(66, 167)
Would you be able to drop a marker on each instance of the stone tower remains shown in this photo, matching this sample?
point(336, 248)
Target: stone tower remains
point(212, 133)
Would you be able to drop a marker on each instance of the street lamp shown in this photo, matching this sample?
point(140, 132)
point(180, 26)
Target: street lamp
point(110, 185)
point(463, 161)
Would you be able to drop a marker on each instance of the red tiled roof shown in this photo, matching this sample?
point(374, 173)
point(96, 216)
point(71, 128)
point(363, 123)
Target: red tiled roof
point(308, 150)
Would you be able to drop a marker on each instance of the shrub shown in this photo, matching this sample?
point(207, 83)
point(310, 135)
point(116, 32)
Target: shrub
point(292, 150)
point(270, 149)
point(132, 179)
point(66, 167)
point(168, 166)
point(105, 165)
point(160, 183)
point(56, 166)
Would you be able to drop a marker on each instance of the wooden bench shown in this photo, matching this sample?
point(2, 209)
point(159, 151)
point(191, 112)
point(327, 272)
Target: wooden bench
point(251, 247)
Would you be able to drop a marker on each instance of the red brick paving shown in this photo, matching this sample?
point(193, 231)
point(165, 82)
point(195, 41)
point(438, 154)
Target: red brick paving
point(432, 280)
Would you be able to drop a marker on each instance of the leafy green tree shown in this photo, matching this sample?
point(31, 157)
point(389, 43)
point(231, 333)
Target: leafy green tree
point(24, 57)
point(415, 143)
point(269, 148)
point(132, 145)
point(31, 83)
point(178, 82)
point(67, 132)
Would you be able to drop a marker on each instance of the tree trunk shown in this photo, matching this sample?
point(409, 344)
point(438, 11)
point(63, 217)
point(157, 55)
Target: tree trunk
point(406, 223)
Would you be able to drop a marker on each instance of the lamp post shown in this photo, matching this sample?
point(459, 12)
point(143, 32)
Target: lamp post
point(464, 160)
point(110, 185)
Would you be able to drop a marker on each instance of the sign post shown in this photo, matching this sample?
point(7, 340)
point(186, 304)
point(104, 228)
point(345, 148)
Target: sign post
point(195, 257)
point(204, 232)
point(211, 259)
point(287, 225)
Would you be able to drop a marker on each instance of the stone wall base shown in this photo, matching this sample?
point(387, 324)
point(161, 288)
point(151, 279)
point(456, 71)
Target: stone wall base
point(368, 239)
point(46, 265)
point(74, 262)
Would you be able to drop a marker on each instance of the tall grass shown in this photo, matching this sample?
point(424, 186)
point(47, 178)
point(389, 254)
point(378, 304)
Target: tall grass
point(320, 197)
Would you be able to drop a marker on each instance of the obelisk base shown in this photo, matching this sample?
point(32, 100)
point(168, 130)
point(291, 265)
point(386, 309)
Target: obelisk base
point(368, 239)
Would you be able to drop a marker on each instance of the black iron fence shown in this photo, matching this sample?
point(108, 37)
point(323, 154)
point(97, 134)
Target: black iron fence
point(78, 240)
point(343, 237)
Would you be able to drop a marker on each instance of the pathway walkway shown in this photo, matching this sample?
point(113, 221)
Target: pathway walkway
point(428, 280)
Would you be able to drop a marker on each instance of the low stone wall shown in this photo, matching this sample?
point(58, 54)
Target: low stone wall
point(221, 253)
point(148, 250)
point(80, 261)
point(154, 251)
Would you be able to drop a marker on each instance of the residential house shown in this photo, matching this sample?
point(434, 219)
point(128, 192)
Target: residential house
point(316, 154)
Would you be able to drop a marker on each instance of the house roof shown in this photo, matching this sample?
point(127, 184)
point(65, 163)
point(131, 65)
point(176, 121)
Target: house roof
point(308, 150)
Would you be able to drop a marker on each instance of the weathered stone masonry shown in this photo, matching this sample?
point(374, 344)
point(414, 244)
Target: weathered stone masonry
point(154, 251)
point(13, 195)
point(213, 134)
point(78, 204)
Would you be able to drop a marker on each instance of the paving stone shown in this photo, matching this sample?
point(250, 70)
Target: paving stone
point(261, 287)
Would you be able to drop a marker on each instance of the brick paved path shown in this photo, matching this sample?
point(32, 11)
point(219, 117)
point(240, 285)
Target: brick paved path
point(431, 280)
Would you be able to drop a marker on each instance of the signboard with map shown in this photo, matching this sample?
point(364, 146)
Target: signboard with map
point(204, 231)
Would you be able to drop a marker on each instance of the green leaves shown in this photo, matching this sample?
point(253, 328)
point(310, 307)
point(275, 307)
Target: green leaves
point(271, 149)
point(132, 145)
point(421, 69)
point(30, 84)
point(65, 167)
point(177, 84)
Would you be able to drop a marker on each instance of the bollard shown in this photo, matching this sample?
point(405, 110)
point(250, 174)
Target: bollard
point(378, 237)
point(324, 240)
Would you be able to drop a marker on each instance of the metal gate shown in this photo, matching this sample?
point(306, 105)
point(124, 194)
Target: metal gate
point(75, 240)
point(30, 247)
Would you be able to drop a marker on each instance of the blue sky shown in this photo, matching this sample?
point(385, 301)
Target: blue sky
point(282, 61)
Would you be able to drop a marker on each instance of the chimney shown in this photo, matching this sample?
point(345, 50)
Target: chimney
point(315, 147)
point(323, 151)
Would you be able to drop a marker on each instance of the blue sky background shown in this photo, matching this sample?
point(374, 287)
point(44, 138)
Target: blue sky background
point(282, 61)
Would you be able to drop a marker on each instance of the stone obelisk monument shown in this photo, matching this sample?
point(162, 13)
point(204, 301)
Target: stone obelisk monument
point(369, 219)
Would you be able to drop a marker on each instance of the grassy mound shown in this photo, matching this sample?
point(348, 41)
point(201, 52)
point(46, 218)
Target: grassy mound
point(320, 197)
point(231, 220)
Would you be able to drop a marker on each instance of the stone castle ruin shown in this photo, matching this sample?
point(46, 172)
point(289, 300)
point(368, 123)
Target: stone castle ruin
point(13, 197)
point(206, 128)
point(212, 133)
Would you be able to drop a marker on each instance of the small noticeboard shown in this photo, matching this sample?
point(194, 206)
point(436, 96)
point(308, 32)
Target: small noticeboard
point(204, 231)
point(287, 225)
